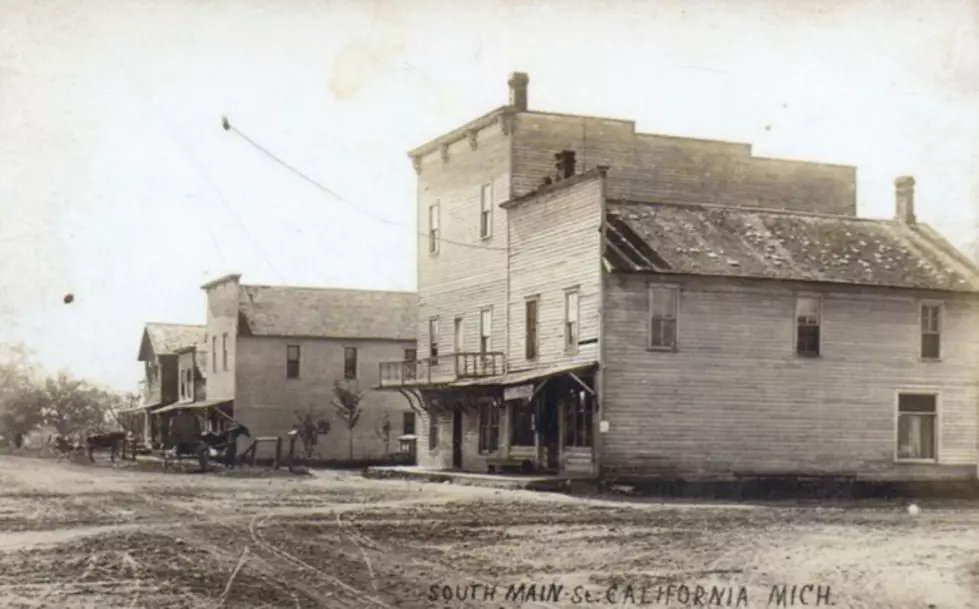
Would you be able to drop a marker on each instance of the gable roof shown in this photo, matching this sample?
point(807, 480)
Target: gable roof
point(739, 242)
point(326, 313)
point(167, 339)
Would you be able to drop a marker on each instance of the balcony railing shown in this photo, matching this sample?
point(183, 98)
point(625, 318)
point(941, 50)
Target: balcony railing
point(442, 369)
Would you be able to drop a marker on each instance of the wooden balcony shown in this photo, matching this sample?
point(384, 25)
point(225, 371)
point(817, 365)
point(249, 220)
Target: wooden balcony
point(441, 370)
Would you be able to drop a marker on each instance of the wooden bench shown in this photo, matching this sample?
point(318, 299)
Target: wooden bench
point(503, 464)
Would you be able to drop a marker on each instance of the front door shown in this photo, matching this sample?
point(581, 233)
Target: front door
point(457, 438)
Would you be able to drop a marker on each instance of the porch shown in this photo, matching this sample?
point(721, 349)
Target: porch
point(541, 421)
point(440, 369)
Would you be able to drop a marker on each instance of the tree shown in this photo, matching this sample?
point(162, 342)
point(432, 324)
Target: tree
point(19, 406)
point(346, 400)
point(71, 405)
point(383, 431)
point(311, 423)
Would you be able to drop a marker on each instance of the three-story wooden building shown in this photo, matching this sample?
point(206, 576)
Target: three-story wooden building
point(597, 300)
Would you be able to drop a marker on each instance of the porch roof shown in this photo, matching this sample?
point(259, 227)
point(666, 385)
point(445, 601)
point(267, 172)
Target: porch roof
point(192, 405)
point(523, 376)
point(136, 409)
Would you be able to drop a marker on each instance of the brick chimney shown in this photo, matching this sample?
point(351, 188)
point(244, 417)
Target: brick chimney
point(518, 91)
point(904, 203)
point(565, 164)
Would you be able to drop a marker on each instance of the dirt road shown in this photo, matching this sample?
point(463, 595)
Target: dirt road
point(76, 536)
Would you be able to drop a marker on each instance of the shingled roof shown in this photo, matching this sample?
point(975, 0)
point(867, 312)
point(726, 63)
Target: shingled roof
point(737, 242)
point(165, 339)
point(326, 313)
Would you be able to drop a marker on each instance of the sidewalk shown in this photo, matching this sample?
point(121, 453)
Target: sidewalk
point(412, 472)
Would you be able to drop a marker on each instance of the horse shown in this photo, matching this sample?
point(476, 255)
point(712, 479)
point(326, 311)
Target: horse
point(111, 440)
point(224, 441)
point(207, 442)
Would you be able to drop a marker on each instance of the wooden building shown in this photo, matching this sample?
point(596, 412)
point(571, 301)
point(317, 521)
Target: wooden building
point(596, 300)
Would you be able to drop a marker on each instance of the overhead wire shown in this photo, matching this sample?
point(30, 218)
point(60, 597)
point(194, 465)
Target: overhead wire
point(185, 151)
point(362, 210)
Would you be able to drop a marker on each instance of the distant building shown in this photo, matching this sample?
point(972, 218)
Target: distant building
point(593, 300)
point(273, 351)
point(159, 350)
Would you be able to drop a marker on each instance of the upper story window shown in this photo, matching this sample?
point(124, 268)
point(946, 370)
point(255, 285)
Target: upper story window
point(214, 353)
point(224, 349)
point(486, 211)
point(571, 320)
point(931, 330)
point(458, 337)
point(410, 367)
point(808, 318)
point(433, 228)
point(485, 330)
point(663, 305)
point(292, 361)
point(433, 339)
point(530, 319)
point(350, 363)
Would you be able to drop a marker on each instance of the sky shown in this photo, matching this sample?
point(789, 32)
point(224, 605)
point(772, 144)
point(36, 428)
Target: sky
point(118, 184)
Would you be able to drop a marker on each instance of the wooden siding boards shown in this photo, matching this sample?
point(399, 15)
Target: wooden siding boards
point(459, 280)
point(555, 243)
point(266, 401)
point(651, 167)
point(736, 398)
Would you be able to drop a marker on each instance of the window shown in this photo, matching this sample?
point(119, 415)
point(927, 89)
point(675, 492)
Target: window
point(350, 363)
point(214, 353)
point(807, 316)
point(571, 320)
point(917, 431)
point(292, 361)
point(224, 350)
point(578, 425)
point(433, 339)
point(521, 423)
point(457, 336)
point(190, 384)
point(931, 331)
point(663, 305)
point(183, 385)
point(433, 229)
point(531, 329)
point(433, 431)
point(486, 211)
point(408, 423)
point(489, 427)
point(485, 330)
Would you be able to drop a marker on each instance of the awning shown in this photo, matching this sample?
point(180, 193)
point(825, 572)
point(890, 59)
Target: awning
point(138, 409)
point(192, 405)
point(523, 376)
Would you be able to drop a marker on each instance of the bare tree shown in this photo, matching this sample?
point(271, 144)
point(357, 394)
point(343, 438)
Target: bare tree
point(346, 400)
point(311, 423)
point(383, 431)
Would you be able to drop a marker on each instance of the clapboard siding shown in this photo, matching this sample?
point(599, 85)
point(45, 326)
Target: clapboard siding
point(460, 280)
point(441, 456)
point(736, 398)
point(555, 243)
point(650, 167)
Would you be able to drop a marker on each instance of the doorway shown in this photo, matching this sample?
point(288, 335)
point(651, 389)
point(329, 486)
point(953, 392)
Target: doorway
point(457, 438)
point(548, 426)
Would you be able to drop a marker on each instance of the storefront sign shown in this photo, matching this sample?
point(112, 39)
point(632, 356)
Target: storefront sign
point(520, 392)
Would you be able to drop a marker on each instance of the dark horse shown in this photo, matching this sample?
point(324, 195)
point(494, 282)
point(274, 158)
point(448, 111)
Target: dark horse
point(209, 441)
point(112, 441)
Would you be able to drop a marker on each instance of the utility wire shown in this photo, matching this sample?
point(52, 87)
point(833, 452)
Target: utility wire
point(185, 151)
point(229, 127)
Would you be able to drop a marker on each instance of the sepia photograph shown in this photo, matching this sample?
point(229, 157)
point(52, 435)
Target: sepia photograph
point(489, 304)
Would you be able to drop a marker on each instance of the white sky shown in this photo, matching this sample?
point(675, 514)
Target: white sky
point(118, 184)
